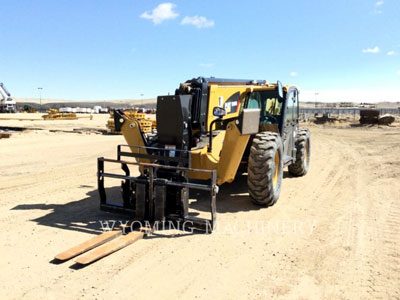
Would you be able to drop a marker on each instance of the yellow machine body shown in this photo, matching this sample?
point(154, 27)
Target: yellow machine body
point(228, 145)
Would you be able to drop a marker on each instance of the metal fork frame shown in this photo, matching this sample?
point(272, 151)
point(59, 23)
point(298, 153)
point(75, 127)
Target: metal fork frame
point(152, 180)
point(181, 159)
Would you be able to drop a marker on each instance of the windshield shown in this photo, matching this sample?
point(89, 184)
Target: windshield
point(267, 102)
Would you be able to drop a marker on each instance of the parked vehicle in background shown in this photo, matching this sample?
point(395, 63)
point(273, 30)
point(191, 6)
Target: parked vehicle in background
point(65, 110)
point(97, 109)
point(7, 104)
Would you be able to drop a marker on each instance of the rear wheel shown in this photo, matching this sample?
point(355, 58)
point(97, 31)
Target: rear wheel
point(302, 164)
point(265, 168)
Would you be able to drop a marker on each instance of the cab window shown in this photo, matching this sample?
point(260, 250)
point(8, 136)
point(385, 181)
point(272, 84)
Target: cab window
point(254, 100)
point(268, 103)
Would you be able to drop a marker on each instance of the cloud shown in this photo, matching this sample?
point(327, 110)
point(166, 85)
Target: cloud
point(198, 21)
point(371, 50)
point(391, 53)
point(164, 11)
point(377, 12)
point(293, 74)
point(206, 65)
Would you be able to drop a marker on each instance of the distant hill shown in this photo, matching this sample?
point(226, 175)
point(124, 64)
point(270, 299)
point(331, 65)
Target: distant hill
point(311, 104)
point(50, 103)
point(151, 103)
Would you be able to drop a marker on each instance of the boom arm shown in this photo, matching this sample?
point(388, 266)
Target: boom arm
point(3, 91)
point(7, 104)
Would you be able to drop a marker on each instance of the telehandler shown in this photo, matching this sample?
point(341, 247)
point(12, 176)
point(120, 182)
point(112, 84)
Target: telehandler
point(207, 131)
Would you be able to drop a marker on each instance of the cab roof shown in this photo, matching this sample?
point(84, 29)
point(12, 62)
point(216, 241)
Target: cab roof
point(229, 81)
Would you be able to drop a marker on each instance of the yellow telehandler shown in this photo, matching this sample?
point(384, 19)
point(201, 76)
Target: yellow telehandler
point(204, 133)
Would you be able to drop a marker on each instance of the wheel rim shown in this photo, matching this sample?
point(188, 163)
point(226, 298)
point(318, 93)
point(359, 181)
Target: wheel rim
point(275, 178)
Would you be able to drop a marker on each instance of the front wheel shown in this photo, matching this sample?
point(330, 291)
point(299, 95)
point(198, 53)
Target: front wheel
point(265, 168)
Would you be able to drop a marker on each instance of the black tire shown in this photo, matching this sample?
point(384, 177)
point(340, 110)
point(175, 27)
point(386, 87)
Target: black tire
point(265, 168)
point(303, 152)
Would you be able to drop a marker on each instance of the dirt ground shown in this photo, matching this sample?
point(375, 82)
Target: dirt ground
point(333, 234)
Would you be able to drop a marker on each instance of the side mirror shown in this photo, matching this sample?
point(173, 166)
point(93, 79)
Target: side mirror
point(280, 89)
point(219, 112)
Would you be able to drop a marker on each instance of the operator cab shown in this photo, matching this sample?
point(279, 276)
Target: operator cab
point(271, 108)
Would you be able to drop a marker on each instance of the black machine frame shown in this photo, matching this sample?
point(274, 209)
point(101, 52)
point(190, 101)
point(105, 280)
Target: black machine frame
point(200, 96)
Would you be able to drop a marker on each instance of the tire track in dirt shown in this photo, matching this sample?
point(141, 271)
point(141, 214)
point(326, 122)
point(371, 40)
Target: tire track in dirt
point(364, 230)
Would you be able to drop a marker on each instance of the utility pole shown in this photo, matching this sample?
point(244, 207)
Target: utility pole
point(40, 94)
point(316, 94)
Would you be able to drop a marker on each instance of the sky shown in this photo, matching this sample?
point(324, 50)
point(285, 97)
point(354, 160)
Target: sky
point(130, 49)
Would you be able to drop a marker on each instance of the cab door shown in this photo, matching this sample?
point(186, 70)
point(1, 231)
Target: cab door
point(290, 125)
point(295, 120)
